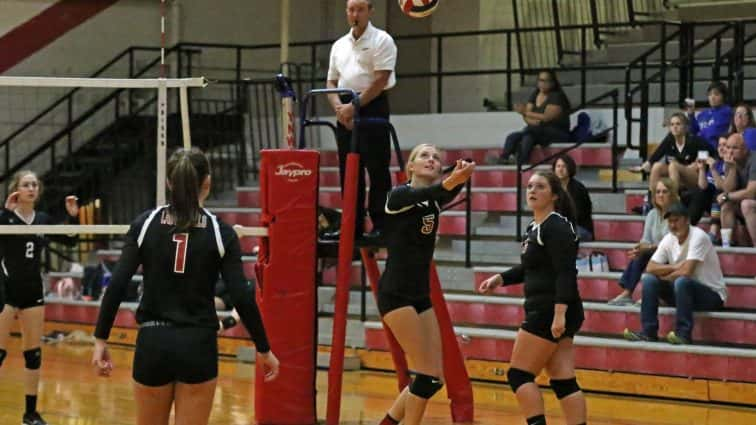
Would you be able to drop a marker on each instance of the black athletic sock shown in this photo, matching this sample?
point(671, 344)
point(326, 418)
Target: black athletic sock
point(31, 403)
point(537, 420)
point(388, 420)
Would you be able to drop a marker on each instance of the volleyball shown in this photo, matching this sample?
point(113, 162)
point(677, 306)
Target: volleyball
point(418, 8)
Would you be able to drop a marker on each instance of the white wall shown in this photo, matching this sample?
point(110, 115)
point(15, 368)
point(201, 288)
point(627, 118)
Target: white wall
point(486, 129)
point(16, 12)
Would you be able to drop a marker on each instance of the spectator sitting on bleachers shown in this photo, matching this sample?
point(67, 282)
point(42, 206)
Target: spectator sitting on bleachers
point(676, 155)
point(683, 272)
point(711, 181)
point(654, 229)
point(712, 122)
point(739, 195)
point(547, 115)
point(742, 119)
point(565, 168)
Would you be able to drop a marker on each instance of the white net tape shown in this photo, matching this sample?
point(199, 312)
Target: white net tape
point(102, 229)
point(114, 83)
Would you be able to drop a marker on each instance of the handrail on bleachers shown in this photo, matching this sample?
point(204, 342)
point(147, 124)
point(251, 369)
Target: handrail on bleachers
point(614, 94)
point(686, 65)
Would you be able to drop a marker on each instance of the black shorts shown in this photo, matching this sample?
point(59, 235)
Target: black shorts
point(388, 302)
point(167, 354)
point(23, 295)
point(538, 322)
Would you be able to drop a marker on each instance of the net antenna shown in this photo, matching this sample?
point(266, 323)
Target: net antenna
point(160, 84)
point(288, 98)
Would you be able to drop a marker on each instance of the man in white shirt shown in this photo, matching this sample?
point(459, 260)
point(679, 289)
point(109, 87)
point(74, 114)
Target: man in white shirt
point(363, 60)
point(685, 273)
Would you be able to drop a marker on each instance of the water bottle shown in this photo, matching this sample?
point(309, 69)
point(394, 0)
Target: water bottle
point(646, 205)
point(715, 211)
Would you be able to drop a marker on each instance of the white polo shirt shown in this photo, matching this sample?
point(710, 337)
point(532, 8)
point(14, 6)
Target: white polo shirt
point(698, 247)
point(353, 62)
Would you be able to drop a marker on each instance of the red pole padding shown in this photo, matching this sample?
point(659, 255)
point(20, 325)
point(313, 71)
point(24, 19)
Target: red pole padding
point(458, 387)
point(346, 248)
point(397, 354)
point(287, 291)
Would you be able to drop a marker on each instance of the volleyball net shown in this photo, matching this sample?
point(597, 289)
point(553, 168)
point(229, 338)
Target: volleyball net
point(288, 193)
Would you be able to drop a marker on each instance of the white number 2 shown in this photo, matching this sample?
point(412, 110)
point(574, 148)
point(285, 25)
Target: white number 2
point(30, 250)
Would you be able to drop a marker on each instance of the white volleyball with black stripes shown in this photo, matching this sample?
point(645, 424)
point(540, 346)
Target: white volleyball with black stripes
point(418, 8)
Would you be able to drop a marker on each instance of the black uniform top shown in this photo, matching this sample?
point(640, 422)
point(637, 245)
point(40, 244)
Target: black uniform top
point(689, 153)
point(411, 226)
point(180, 271)
point(548, 264)
point(21, 255)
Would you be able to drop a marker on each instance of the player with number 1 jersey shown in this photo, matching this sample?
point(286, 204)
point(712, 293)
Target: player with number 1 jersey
point(182, 248)
point(177, 267)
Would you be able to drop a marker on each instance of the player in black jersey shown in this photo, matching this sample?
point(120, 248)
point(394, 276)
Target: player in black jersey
point(182, 248)
point(403, 290)
point(20, 260)
point(553, 309)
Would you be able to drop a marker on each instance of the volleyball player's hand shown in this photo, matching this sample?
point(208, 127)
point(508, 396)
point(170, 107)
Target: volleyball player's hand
point(270, 365)
point(558, 325)
point(459, 175)
point(72, 206)
point(12, 201)
point(101, 358)
point(488, 285)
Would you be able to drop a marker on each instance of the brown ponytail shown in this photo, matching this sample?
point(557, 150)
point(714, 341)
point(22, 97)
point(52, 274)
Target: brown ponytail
point(186, 170)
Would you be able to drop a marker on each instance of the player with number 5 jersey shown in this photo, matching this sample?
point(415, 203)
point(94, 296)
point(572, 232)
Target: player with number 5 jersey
point(182, 248)
point(412, 211)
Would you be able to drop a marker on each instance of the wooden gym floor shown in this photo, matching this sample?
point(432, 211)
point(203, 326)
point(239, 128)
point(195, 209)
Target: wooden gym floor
point(71, 394)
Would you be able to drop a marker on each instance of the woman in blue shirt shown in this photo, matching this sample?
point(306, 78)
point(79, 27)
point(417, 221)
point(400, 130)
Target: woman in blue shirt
point(714, 121)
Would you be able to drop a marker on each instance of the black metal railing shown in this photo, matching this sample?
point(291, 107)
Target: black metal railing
point(70, 102)
point(244, 94)
point(554, 45)
point(467, 200)
point(521, 168)
point(736, 59)
point(652, 67)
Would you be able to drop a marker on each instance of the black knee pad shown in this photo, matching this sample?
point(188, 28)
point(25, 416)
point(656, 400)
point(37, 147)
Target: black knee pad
point(519, 377)
point(3, 353)
point(424, 386)
point(564, 387)
point(33, 358)
point(536, 420)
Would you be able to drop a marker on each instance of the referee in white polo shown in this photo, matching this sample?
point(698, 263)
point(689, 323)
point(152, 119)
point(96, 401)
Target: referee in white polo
point(363, 60)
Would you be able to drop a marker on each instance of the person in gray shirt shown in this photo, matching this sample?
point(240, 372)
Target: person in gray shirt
point(739, 195)
point(654, 229)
